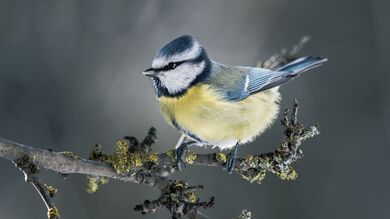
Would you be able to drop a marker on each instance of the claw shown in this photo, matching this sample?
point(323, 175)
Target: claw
point(180, 152)
point(229, 166)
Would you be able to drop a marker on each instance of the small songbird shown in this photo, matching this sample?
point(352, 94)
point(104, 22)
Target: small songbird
point(216, 104)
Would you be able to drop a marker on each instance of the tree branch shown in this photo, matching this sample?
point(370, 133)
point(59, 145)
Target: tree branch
point(141, 166)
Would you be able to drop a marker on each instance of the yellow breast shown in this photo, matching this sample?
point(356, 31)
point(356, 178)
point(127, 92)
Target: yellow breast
point(203, 112)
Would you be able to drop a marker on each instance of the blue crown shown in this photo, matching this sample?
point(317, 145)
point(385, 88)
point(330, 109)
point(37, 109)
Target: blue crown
point(176, 46)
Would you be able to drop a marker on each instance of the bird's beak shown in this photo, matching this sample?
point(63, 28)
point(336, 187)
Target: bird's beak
point(149, 72)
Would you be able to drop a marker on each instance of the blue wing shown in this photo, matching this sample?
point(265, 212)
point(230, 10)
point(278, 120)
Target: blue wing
point(260, 80)
point(237, 83)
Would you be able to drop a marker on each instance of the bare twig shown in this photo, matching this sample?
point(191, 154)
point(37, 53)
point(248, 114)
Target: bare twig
point(30, 170)
point(245, 214)
point(284, 56)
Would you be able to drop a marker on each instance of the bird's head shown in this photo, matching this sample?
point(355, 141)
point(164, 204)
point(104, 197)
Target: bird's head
point(178, 65)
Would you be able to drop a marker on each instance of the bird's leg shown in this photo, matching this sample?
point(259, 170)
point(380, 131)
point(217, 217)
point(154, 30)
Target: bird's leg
point(229, 166)
point(181, 140)
point(181, 148)
point(180, 151)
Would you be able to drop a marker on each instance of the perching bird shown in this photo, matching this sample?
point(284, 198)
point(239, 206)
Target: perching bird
point(216, 104)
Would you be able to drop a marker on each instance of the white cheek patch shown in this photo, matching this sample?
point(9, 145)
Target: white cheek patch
point(180, 78)
point(187, 54)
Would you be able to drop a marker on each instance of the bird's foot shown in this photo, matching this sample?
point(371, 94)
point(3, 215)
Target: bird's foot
point(229, 166)
point(180, 153)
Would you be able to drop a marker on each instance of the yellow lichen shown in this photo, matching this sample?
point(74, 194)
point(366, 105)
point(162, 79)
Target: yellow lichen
point(221, 157)
point(52, 191)
point(70, 154)
point(258, 162)
point(121, 162)
point(289, 174)
point(190, 197)
point(135, 160)
point(152, 157)
point(103, 180)
point(190, 157)
point(179, 184)
point(255, 178)
point(91, 184)
point(278, 157)
point(121, 146)
point(248, 158)
point(53, 213)
point(172, 154)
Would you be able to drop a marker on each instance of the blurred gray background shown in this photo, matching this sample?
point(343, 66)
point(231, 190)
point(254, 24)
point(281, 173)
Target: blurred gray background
point(70, 76)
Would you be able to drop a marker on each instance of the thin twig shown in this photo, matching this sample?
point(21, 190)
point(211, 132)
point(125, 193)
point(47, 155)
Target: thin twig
point(30, 170)
point(284, 56)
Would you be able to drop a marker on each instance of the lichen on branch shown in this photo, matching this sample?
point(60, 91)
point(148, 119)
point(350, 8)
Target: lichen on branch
point(179, 198)
point(136, 162)
point(254, 168)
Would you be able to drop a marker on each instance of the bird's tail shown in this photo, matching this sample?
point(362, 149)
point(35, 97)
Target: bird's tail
point(301, 65)
point(286, 73)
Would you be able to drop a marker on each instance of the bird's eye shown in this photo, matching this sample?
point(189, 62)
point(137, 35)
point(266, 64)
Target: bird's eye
point(172, 65)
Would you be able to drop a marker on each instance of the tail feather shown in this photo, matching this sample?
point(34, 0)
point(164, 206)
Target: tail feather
point(301, 65)
point(260, 81)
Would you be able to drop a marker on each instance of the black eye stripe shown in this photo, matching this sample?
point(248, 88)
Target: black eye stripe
point(169, 66)
point(195, 60)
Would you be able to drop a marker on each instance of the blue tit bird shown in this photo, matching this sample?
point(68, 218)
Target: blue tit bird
point(211, 103)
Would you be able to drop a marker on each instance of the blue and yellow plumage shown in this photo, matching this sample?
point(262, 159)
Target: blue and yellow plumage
point(216, 104)
point(204, 114)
